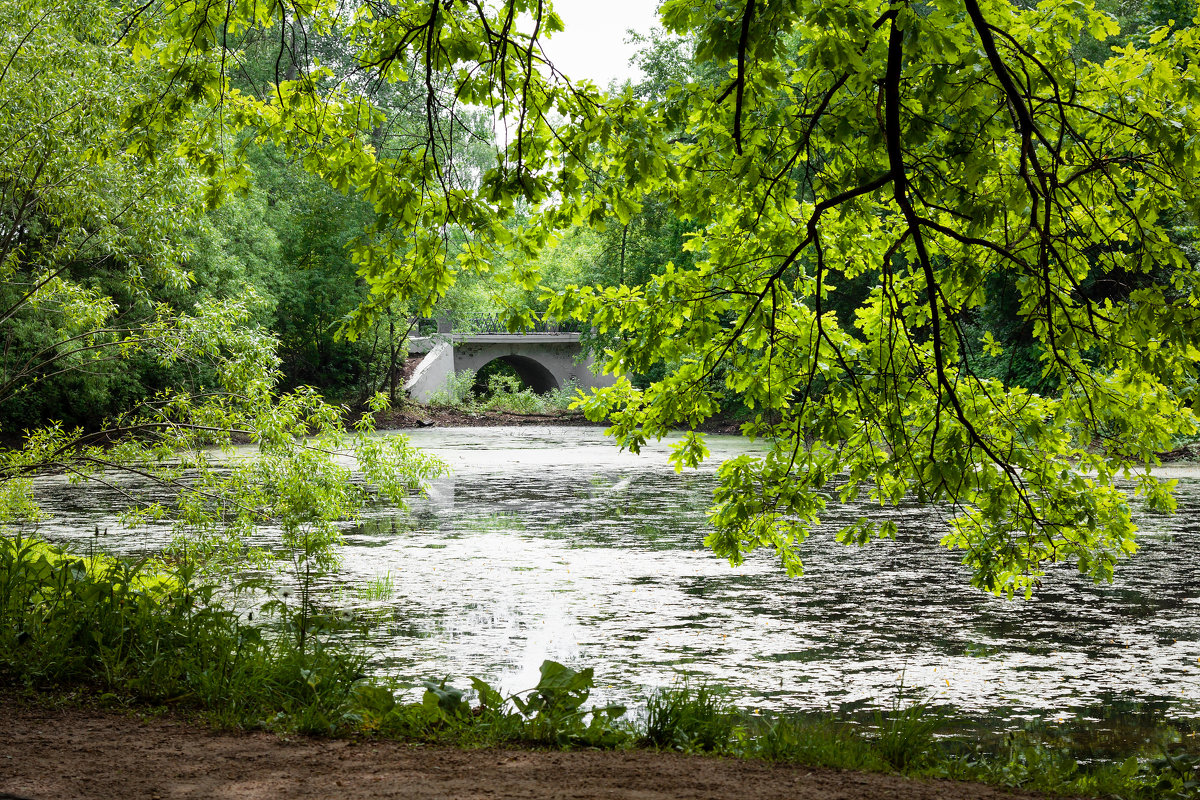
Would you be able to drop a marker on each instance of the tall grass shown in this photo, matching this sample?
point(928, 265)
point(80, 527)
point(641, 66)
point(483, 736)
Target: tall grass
point(687, 719)
point(818, 741)
point(381, 587)
point(906, 734)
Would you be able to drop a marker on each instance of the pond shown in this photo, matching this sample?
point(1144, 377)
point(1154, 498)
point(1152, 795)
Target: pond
point(550, 543)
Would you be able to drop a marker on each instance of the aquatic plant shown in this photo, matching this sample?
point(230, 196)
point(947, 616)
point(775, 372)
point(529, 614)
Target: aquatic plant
point(381, 587)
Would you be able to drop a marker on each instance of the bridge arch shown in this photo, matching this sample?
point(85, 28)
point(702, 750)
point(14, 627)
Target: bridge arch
point(544, 361)
point(532, 372)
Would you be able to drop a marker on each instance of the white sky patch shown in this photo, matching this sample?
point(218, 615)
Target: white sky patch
point(593, 44)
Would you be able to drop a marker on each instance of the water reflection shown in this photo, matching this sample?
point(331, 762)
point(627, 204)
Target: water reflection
point(548, 543)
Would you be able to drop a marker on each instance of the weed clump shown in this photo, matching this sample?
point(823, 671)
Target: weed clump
point(906, 735)
point(689, 720)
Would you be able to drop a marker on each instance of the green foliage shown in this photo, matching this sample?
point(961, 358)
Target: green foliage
point(551, 713)
point(79, 268)
point(554, 708)
point(906, 735)
point(503, 392)
point(819, 742)
point(313, 279)
point(506, 394)
point(688, 720)
point(87, 226)
point(90, 247)
point(1022, 764)
point(381, 587)
point(142, 631)
point(888, 155)
point(1173, 776)
point(1027, 763)
point(459, 392)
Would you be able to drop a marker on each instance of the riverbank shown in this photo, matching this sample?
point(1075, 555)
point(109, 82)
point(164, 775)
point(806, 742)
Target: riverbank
point(65, 751)
point(410, 416)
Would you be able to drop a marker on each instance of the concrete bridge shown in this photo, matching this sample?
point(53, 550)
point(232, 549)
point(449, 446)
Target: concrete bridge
point(544, 360)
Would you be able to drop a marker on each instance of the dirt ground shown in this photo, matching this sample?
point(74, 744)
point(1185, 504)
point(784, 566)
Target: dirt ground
point(65, 753)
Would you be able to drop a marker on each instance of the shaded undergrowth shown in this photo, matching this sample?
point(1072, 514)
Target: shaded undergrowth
point(147, 633)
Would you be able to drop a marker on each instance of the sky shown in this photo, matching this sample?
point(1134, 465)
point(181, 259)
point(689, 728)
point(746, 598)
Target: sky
point(593, 45)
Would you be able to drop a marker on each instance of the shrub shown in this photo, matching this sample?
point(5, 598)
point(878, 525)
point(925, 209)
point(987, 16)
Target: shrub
point(459, 392)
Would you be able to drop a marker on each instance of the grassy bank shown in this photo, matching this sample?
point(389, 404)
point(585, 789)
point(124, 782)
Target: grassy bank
point(147, 633)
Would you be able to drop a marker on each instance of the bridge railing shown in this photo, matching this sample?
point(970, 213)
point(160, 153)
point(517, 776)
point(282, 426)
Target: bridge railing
point(490, 323)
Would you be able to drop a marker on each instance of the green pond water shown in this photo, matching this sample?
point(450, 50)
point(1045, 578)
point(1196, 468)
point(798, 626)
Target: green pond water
point(550, 543)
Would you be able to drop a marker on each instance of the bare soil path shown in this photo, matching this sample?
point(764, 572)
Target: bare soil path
point(66, 753)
